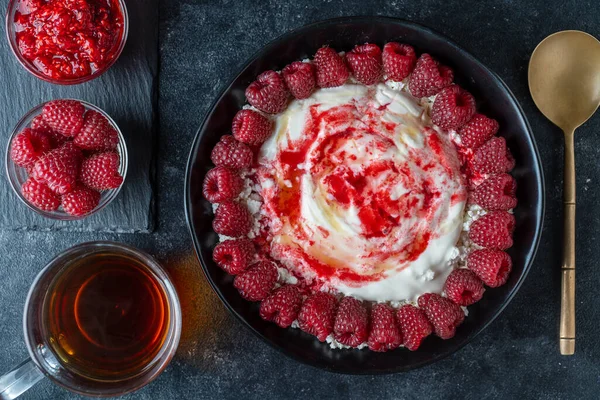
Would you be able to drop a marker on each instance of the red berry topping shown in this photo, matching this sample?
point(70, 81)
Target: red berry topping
point(38, 124)
point(464, 287)
point(234, 256)
point(351, 323)
point(221, 184)
point(365, 63)
point(496, 193)
point(232, 219)
point(300, 79)
point(478, 131)
point(101, 171)
point(429, 77)
point(28, 146)
point(59, 168)
point(231, 154)
point(398, 61)
point(331, 69)
point(414, 326)
point(268, 93)
point(491, 266)
point(80, 201)
point(282, 306)
point(256, 282)
point(68, 39)
point(385, 334)
point(40, 195)
point(251, 127)
point(493, 157)
point(317, 315)
point(443, 314)
point(493, 230)
point(453, 107)
point(64, 116)
point(97, 133)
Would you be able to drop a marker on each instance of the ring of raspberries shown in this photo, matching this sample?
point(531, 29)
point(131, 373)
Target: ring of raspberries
point(485, 160)
point(70, 155)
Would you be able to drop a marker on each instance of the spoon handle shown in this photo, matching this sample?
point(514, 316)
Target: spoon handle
point(567, 306)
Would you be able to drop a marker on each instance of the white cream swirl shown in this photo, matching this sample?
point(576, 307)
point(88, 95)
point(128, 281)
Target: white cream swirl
point(362, 194)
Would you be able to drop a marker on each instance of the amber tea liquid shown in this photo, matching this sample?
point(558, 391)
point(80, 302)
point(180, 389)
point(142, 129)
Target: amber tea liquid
point(107, 316)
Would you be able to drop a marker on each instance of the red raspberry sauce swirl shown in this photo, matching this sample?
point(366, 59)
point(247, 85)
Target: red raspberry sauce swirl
point(68, 39)
point(354, 196)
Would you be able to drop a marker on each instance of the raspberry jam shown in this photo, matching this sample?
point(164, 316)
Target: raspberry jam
point(68, 39)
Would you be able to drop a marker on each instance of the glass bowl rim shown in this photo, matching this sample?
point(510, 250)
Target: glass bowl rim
point(11, 37)
point(104, 201)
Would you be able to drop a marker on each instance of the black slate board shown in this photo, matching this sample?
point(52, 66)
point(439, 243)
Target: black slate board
point(127, 92)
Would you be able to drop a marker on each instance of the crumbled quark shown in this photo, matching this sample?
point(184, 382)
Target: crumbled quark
point(285, 277)
point(334, 344)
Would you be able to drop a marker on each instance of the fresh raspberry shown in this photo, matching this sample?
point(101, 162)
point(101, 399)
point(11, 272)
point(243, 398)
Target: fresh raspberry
point(491, 266)
point(493, 157)
point(317, 315)
point(231, 154)
point(331, 69)
point(232, 219)
point(221, 184)
point(300, 79)
point(429, 77)
point(28, 146)
point(40, 195)
point(256, 282)
point(59, 168)
point(80, 201)
point(251, 127)
point(351, 323)
point(97, 133)
point(478, 131)
point(101, 171)
point(365, 63)
point(282, 306)
point(494, 230)
point(268, 93)
point(464, 287)
point(414, 326)
point(496, 193)
point(385, 334)
point(453, 107)
point(64, 116)
point(398, 61)
point(38, 124)
point(443, 314)
point(234, 256)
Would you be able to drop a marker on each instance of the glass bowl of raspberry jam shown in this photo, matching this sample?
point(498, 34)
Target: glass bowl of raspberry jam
point(18, 175)
point(67, 42)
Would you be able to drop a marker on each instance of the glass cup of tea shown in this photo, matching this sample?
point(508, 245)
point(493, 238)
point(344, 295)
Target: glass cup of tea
point(101, 319)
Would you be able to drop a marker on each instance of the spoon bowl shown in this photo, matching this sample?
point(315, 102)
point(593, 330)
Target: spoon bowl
point(564, 78)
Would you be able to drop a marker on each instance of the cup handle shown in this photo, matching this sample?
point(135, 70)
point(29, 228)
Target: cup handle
point(19, 380)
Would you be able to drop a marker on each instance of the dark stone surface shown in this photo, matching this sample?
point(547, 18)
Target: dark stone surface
point(202, 47)
point(127, 93)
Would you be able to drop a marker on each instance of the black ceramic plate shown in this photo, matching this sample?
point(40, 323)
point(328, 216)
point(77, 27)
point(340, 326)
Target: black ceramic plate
point(493, 98)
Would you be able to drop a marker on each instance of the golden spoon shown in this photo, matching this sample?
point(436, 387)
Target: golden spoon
point(564, 80)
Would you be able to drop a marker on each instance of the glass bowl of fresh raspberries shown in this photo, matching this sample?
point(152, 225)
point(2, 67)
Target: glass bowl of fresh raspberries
point(66, 159)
